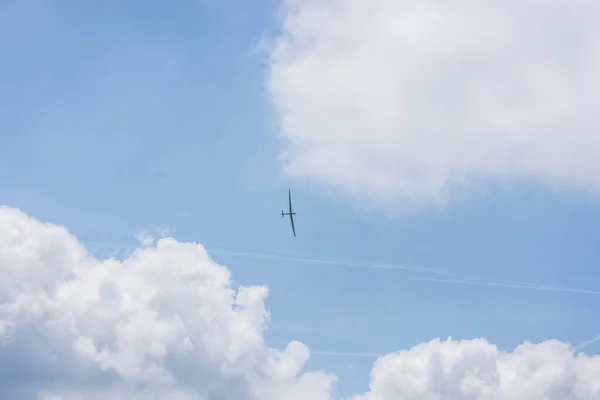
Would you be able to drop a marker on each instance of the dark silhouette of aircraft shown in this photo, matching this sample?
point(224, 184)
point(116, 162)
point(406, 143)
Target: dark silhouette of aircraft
point(290, 213)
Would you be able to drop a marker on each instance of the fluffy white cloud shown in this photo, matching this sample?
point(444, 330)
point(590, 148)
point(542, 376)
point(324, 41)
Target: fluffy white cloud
point(165, 319)
point(411, 102)
point(476, 370)
point(165, 323)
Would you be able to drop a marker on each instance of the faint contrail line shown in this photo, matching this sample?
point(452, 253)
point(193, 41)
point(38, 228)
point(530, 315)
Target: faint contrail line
point(377, 355)
point(464, 279)
point(508, 285)
point(581, 277)
point(319, 261)
point(345, 354)
point(587, 343)
point(467, 279)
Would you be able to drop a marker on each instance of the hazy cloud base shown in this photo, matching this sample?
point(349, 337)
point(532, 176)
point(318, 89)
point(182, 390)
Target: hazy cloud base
point(165, 323)
point(411, 103)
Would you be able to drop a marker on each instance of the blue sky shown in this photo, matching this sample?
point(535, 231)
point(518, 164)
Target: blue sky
point(117, 119)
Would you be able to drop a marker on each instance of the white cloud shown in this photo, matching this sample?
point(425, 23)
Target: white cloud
point(165, 323)
point(477, 370)
point(411, 103)
point(165, 318)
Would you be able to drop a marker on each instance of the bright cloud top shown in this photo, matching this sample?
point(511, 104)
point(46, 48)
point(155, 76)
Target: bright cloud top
point(165, 317)
point(165, 323)
point(416, 100)
point(476, 370)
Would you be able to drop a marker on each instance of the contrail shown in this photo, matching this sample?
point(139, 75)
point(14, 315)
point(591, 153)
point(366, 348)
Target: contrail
point(509, 285)
point(345, 354)
point(377, 355)
point(586, 278)
point(466, 279)
point(319, 261)
point(587, 343)
point(461, 279)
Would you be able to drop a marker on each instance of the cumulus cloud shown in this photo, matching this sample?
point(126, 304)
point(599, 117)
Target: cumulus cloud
point(166, 323)
point(410, 103)
point(163, 323)
point(477, 370)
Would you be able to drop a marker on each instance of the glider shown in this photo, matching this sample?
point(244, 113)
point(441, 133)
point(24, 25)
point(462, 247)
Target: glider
point(290, 213)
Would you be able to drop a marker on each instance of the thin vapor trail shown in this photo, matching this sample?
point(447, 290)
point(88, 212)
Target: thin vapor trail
point(377, 355)
point(461, 279)
point(584, 278)
point(587, 343)
point(346, 354)
point(318, 261)
point(508, 285)
point(466, 279)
